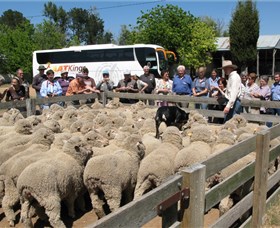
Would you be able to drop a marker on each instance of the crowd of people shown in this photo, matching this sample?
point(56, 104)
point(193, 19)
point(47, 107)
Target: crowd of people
point(228, 90)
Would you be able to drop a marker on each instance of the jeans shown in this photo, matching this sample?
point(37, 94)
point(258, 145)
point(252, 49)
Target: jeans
point(274, 111)
point(236, 109)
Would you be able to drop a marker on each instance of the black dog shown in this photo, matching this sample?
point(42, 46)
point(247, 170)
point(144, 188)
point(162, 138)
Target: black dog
point(171, 116)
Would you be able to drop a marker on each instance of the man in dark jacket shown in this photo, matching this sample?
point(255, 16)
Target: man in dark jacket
point(148, 78)
point(38, 80)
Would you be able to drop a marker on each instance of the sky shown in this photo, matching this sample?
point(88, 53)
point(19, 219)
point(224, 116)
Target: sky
point(115, 13)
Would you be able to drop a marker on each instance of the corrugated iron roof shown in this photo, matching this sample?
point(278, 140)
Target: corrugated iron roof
point(264, 42)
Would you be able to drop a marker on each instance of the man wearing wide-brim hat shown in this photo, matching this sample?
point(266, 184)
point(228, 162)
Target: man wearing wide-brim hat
point(38, 80)
point(233, 90)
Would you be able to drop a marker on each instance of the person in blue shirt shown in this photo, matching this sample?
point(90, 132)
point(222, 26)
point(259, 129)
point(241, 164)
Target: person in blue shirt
point(275, 95)
point(182, 83)
point(201, 87)
point(50, 88)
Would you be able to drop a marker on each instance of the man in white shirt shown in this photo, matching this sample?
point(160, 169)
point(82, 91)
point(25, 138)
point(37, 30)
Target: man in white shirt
point(233, 90)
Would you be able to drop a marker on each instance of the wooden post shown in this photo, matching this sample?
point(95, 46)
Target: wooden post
point(194, 178)
point(30, 107)
point(104, 98)
point(260, 183)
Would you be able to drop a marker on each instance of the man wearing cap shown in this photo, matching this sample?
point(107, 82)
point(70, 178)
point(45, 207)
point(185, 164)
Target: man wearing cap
point(90, 83)
point(64, 82)
point(105, 84)
point(38, 80)
point(127, 85)
point(233, 90)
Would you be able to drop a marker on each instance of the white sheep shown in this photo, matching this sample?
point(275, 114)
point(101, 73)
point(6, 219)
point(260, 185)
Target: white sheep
point(13, 167)
point(155, 168)
point(196, 152)
point(49, 181)
point(42, 137)
point(115, 179)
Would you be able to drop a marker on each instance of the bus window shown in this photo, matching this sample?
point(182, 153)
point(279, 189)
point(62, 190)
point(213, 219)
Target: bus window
point(162, 60)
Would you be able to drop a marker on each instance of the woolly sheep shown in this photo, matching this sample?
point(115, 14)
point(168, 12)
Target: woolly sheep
point(69, 117)
point(49, 181)
point(196, 152)
point(13, 167)
point(151, 143)
point(116, 178)
point(155, 168)
point(172, 135)
point(94, 139)
point(43, 137)
point(10, 117)
point(113, 104)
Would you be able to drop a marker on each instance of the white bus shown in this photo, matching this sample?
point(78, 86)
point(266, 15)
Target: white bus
point(116, 59)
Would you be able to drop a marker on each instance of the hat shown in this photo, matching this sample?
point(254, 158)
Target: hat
point(127, 72)
point(105, 71)
point(41, 67)
point(63, 72)
point(228, 63)
point(80, 75)
point(85, 70)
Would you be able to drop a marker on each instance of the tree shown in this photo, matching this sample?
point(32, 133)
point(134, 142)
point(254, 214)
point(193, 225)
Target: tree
point(178, 31)
point(197, 51)
point(217, 25)
point(16, 46)
point(57, 15)
point(244, 34)
point(47, 35)
point(13, 19)
point(125, 36)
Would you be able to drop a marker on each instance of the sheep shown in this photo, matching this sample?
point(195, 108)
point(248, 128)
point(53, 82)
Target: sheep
point(172, 135)
point(155, 168)
point(118, 175)
point(241, 191)
point(196, 152)
point(80, 126)
point(10, 117)
point(69, 117)
point(94, 139)
point(34, 120)
point(97, 104)
point(51, 124)
point(150, 142)
point(20, 130)
point(201, 133)
point(113, 104)
point(49, 181)
point(42, 138)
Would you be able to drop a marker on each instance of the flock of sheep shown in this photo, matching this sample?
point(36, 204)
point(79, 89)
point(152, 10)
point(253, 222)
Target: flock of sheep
point(109, 153)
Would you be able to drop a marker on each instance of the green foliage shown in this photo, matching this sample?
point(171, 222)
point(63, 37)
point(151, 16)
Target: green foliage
point(13, 19)
point(47, 35)
point(16, 47)
point(244, 33)
point(196, 52)
point(126, 36)
point(57, 15)
point(178, 31)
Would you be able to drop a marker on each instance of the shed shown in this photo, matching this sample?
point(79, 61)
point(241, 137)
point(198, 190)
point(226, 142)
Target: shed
point(268, 54)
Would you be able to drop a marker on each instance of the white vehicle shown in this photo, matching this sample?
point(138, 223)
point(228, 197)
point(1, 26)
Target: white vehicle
point(114, 58)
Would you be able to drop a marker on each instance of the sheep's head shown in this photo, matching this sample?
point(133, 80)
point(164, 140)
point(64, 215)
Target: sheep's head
point(34, 120)
point(70, 115)
point(55, 107)
point(23, 126)
point(76, 148)
point(43, 136)
point(59, 140)
point(238, 120)
point(172, 135)
point(57, 115)
point(94, 139)
point(53, 125)
point(226, 136)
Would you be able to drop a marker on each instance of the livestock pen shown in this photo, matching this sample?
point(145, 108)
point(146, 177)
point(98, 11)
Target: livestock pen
point(187, 188)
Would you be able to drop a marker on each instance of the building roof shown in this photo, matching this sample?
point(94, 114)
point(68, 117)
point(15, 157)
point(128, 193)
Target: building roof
point(264, 42)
